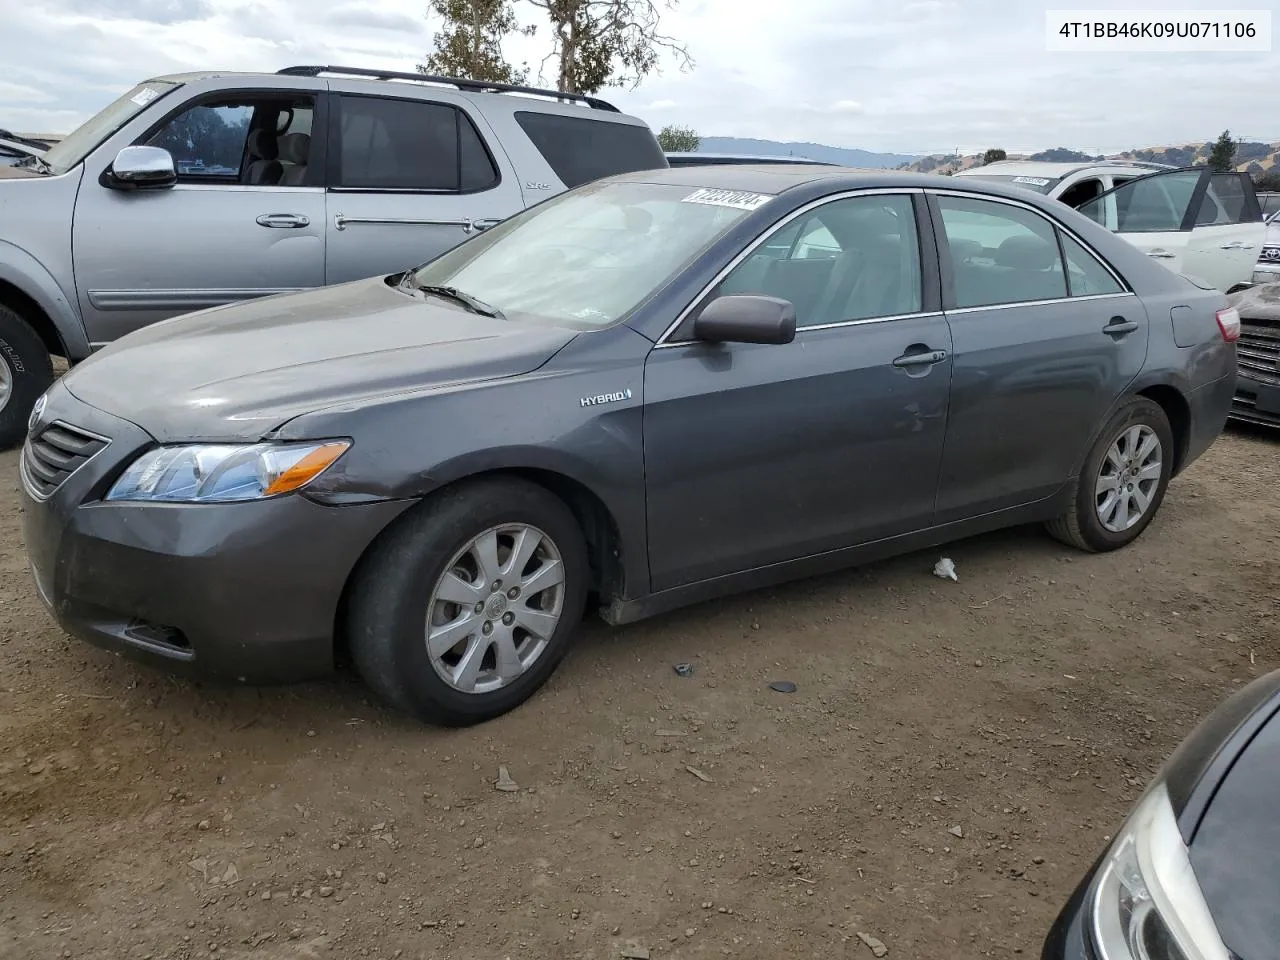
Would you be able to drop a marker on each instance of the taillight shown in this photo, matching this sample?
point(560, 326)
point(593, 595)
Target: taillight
point(1229, 324)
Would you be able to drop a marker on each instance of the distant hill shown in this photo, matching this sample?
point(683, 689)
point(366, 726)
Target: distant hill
point(1254, 158)
point(809, 151)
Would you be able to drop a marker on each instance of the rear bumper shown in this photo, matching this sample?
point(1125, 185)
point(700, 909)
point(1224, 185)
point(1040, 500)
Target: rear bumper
point(245, 592)
point(1210, 406)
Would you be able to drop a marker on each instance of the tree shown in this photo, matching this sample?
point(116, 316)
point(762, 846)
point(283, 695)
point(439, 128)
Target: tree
point(994, 154)
point(1268, 180)
point(1222, 155)
point(604, 43)
point(679, 139)
point(469, 44)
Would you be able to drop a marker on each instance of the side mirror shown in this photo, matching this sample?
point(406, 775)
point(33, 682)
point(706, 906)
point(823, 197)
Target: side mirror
point(138, 168)
point(746, 319)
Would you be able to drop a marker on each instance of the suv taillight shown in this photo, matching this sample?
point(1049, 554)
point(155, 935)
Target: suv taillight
point(1229, 324)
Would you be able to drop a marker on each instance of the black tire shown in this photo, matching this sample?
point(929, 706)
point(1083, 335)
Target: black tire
point(30, 371)
point(388, 608)
point(1081, 526)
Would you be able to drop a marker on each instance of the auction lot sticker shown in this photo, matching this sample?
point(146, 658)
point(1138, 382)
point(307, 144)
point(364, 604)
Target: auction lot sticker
point(738, 199)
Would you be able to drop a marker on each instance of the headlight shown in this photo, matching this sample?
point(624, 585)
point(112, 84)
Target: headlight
point(1147, 904)
point(221, 473)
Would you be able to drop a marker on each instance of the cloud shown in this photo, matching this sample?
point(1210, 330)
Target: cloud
point(361, 15)
point(927, 76)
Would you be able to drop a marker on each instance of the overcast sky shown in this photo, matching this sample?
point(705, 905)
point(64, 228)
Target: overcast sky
point(923, 76)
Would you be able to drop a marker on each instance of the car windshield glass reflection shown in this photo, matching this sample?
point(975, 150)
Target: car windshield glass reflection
point(591, 256)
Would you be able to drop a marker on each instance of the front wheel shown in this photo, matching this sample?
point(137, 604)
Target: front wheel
point(26, 371)
point(467, 605)
point(1123, 481)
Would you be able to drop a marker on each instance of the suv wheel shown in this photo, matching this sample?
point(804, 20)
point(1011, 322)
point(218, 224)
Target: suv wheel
point(1123, 481)
point(26, 371)
point(468, 603)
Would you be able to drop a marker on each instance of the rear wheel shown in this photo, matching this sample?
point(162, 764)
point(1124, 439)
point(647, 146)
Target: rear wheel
point(1123, 481)
point(468, 604)
point(26, 371)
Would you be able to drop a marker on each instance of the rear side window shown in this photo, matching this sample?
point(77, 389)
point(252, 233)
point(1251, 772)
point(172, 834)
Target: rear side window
point(410, 145)
point(581, 150)
point(1000, 253)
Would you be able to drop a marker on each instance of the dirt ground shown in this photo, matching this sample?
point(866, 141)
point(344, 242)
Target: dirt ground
point(954, 757)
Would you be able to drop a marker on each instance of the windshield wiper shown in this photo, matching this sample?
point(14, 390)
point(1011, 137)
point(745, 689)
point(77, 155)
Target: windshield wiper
point(474, 304)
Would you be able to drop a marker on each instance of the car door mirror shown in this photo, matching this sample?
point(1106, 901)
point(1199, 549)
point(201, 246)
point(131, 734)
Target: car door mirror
point(137, 168)
point(746, 319)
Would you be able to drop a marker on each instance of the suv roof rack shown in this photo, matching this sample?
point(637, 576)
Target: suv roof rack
point(471, 86)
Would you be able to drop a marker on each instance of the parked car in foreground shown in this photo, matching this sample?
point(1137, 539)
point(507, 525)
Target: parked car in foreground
point(678, 159)
point(649, 391)
point(1193, 873)
point(202, 189)
point(1196, 222)
point(1258, 352)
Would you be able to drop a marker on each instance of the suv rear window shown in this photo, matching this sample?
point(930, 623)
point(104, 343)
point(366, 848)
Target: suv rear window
point(581, 150)
point(411, 145)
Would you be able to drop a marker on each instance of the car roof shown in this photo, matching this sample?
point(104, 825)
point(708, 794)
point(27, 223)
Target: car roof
point(1057, 170)
point(742, 158)
point(391, 83)
point(775, 178)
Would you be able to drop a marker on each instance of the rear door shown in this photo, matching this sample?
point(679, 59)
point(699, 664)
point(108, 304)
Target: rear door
point(1045, 338)
point(409, 179)
point(1196, 222)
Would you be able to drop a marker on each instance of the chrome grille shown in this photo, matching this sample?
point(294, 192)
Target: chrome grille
point(1258, 351)
point(54, 454)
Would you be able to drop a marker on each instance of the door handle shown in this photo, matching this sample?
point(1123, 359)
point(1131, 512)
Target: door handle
point(920, 357)
point(284, 221)
point(1161, 254)
point(1119, 326)
point(1233, 245)
point(479, 226)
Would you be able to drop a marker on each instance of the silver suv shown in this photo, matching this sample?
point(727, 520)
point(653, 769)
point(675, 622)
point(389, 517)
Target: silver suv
point(205, 189)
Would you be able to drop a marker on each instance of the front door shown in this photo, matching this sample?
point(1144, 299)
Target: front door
point(245, 219)
point(761, 454)
point(1198, 223)
point(413, 179)
point(1042, 348)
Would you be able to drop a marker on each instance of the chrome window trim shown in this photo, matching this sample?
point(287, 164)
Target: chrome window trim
point(1053, 222)
point(1127, 290)
point(1038, 303)
point(663, 340)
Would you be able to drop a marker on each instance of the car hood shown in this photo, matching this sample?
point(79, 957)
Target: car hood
point(1235, 852)
point(237, 372)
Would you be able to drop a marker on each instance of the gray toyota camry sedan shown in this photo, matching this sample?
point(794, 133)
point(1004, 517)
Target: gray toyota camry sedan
point(651, 390)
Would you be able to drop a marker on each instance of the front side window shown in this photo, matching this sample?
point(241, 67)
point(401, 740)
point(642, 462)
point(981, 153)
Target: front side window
point(588, 257)
point(1000, 253)
point(254, 141)
point(580, 150)
point(411, 145)
point(850, 259)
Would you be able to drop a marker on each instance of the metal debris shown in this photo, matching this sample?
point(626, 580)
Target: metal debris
point(683, 669)
point(783, 686)
point(699, 774)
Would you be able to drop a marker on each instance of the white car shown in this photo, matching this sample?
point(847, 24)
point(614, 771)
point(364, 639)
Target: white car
point(1205, 225)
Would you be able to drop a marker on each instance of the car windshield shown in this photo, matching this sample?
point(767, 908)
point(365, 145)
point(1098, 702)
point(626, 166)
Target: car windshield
point(590, 256)
point(65, 154)
point(1038, 184)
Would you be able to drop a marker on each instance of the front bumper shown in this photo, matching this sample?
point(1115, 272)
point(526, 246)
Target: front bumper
point(239, 591)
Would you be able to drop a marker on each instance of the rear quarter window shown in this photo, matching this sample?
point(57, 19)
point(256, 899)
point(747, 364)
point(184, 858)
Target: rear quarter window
point(580, 150)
